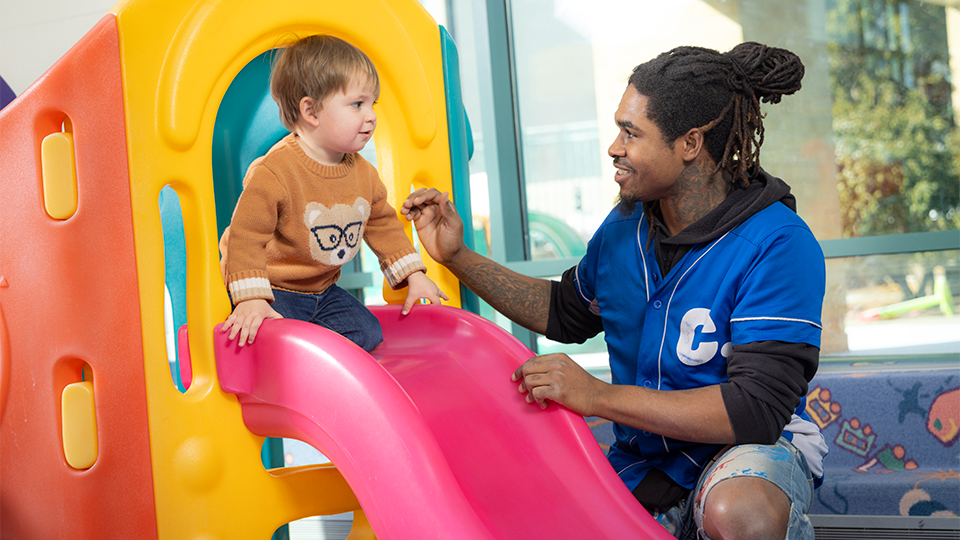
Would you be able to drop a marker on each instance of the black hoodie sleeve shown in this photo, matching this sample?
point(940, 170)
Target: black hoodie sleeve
point(767, 379)
point(569, 321)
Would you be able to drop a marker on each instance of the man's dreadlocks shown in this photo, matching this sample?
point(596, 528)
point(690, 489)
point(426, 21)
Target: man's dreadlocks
point(719, 93)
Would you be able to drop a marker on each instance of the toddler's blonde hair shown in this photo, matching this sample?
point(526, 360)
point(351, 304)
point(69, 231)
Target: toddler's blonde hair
point(317, 66)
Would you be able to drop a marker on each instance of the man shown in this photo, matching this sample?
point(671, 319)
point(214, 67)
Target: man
point(708, 287)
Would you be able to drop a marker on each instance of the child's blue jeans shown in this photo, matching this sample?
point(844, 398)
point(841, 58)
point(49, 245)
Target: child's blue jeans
point(334, 309)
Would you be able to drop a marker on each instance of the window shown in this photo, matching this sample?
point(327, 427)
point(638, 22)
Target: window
point(870, 145)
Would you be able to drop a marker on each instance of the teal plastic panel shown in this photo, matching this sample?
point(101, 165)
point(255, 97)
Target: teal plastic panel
point(248, 124)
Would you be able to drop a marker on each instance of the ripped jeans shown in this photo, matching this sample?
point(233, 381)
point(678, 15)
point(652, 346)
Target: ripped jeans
point(780, 463)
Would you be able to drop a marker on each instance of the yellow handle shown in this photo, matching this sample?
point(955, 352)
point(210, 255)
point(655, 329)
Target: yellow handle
point(79, 417)
point(59, 175)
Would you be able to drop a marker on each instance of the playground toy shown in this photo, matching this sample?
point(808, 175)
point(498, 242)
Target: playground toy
point(96, 440)
point(941, 298)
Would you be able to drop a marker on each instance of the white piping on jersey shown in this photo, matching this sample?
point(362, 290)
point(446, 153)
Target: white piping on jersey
point(788, 319)
point(643, 258)
point(576, 274)
point(666, 314)
point(686, 455)
point(621, 471)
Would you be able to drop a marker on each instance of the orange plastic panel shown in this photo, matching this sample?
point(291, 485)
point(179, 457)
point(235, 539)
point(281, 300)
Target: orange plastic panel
point(71, 298)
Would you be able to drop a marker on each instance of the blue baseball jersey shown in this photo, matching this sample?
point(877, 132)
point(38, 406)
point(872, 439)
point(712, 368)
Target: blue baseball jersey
point(763, 280)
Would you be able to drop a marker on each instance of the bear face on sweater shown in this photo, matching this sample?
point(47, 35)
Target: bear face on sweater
point(336, 231)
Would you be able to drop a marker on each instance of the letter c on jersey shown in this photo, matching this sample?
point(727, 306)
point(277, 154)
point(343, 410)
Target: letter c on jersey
point(692, 320)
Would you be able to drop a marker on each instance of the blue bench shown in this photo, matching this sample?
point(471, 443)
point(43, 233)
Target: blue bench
point(892, 430)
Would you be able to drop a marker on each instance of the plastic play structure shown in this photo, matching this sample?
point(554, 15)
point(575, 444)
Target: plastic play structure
point(429, 438)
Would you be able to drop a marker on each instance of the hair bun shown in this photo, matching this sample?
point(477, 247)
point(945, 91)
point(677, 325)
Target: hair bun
point(771, 72)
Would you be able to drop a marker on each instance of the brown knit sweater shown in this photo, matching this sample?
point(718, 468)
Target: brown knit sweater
point(298, 221)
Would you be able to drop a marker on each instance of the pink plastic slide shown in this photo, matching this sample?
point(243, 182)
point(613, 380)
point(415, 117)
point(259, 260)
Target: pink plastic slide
point(430, 432)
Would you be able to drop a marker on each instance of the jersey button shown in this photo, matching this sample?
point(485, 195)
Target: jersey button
point(647, 384)
point(647, 434)
point(657, 304)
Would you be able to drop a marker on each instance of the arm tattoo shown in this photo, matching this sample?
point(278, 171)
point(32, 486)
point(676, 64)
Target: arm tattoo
point(522, 299)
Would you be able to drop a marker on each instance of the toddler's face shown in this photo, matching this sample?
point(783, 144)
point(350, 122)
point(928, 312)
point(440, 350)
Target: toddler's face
point(347, 119)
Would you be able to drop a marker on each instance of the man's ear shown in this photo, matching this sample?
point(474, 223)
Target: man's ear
point(692, 144)
point(309, 111)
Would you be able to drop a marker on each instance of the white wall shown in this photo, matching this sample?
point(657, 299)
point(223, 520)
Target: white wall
point(34, 34)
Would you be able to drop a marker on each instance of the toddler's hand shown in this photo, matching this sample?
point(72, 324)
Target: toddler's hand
point(246, 319)
point(419, 286)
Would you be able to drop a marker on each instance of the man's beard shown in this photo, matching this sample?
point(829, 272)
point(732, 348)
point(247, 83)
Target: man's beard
point(625, 205)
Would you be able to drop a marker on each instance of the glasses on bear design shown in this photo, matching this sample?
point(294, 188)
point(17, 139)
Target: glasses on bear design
point(329, 237)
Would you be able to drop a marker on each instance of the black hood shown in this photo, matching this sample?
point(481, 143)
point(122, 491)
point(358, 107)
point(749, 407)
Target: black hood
point(741, 203)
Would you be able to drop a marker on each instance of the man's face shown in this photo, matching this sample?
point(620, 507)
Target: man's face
point(647, 167)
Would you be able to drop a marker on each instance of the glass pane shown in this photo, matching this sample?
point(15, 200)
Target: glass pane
point(869, 145)
point(467, 24)
point(437, 9)
point(893, 305)
point(894, 115)
point(572, 67)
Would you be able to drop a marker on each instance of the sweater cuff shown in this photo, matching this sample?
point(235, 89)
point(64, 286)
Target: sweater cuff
point(396, 273)
point(249, 285)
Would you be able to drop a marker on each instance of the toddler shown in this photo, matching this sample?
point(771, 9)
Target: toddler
point(307, 203)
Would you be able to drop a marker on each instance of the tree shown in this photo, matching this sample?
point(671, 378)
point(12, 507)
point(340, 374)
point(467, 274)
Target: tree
point(897, 145)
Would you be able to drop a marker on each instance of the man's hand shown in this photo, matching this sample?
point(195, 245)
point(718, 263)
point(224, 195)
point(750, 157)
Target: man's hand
point(246, 319)
point(524, 300)
point(419, 287)
point(438, 225)
point(556, 377)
